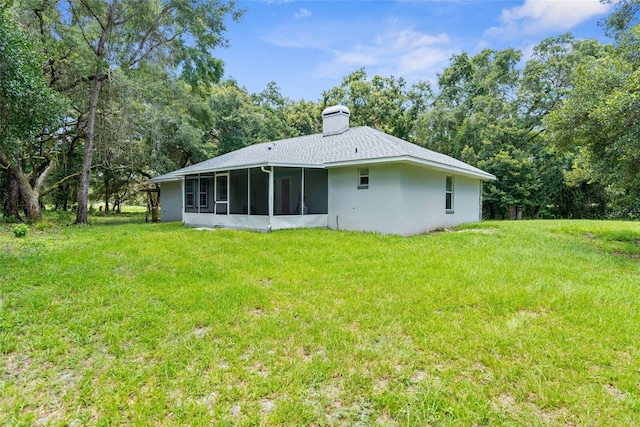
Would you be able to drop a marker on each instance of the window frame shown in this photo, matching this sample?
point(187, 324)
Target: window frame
point(203, 190)
point(449, 187)
point(190, 193)
point(363, 178)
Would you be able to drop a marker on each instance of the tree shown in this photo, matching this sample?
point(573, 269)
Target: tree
point(30, 111)
point(381, 102)
point(601, 114)
point(119, 35)
point(547, 79)
point(175, 125)
point(490, 113)
point(475, 118)
point(303, 117)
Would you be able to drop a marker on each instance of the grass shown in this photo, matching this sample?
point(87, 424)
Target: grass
point(498, 323)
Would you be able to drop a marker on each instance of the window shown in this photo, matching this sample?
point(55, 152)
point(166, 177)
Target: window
point(204, 193)
point(221, 190)
point(189, 193)
point(363, 178)
point(448, 203)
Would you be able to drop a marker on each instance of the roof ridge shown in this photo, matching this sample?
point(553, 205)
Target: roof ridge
point(385, 137)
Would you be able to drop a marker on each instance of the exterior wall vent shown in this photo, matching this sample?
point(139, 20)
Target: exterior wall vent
point(335, 120)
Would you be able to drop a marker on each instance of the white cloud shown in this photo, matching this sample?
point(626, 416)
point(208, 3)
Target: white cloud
point(403, 53)
point(536, 16)
point(341, 47)
point(302, 13)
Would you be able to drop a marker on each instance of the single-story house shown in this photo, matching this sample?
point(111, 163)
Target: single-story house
point(343, 178)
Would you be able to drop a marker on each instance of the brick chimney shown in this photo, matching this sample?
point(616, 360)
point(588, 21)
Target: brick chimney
point(335, 120)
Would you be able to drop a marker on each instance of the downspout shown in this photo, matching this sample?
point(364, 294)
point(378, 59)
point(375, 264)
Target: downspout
point(302, 195)
point(197, 195)
point(184, 196)
point(270, 172)
point(480, 219)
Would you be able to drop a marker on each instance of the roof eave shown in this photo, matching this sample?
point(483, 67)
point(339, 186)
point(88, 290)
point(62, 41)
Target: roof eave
point(409, 159)
point(250, 166)
point(160, 179)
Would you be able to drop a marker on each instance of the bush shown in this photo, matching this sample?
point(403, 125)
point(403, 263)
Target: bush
point(20, 230)
point(11, 220)
point(43, 225)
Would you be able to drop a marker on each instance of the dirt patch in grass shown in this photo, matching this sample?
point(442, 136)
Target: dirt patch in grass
point(504, 403)
point(478, 230)
point(615, 392)
point(201, 332)
point(622, 244)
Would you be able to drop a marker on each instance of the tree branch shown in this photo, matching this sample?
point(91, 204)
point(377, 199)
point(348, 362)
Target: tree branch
point(138, 55)
point(84, 36)
point(45, 174)
point(92, 13)
point(57, 184)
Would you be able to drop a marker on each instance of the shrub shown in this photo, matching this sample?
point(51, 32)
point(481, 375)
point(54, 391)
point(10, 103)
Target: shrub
point(43, 225)
point(11, 220)
point(20, 230)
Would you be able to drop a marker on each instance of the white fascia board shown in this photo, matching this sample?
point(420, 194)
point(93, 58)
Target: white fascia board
point(222, 169)
point(252, 166)
point(408, 159)
point(172, 178)
point(298, 165)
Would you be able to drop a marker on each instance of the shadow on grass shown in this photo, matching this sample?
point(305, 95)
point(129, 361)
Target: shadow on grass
point(118, 219)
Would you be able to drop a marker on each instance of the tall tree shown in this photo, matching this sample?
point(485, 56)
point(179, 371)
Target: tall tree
point(489, 112)
point(602, 112)
point(381, 102)
point(111, 35)
point(30, 111)
point(241, 119)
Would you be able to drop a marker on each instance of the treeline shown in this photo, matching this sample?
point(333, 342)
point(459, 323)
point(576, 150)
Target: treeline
point(561, 132)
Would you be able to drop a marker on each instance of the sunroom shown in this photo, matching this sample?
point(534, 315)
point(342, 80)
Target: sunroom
point(263, 198)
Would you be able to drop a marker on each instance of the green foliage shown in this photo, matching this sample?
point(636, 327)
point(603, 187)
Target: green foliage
point(383, 103)
point(490, 113)
point(28, 104)
point(601, 116)
point(161, 324)
point(20, 230)
point(241, 119)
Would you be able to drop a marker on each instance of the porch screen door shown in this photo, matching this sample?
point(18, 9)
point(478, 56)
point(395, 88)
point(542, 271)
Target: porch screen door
point(222, 194)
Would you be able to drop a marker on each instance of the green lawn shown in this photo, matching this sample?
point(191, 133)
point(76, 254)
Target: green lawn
point(498, 323)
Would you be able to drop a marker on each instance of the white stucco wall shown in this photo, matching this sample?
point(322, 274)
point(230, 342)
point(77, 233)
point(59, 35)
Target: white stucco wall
point(422, 200)
point(401, 199)
point(371, 209)
point(171, 201)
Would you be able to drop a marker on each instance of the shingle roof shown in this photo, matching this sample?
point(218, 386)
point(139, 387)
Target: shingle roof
point(358, 145)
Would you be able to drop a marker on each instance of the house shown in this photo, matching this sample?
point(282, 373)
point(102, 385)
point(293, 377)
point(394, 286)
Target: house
point(343, 178)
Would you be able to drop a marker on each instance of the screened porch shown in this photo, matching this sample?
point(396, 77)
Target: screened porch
point(261, 198)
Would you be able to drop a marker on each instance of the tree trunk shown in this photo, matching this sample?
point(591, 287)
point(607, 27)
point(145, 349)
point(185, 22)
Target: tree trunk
point(87, 156)
point(536, 212)
point(14, 198)
point(82, 216)
point(21, 189)
point(65, 203)
point(26, 193)
point(106, 194)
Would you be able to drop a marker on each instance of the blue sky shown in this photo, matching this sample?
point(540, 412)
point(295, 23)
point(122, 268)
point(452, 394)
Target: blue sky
point(307, 47)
